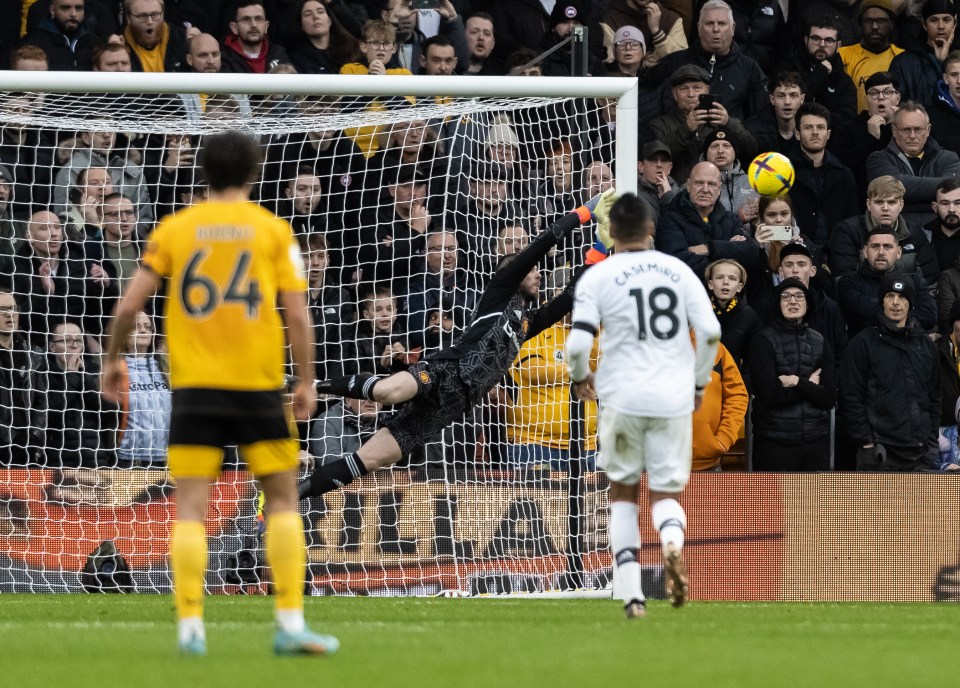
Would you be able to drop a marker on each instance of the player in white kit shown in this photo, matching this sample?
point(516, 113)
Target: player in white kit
point(649, 380)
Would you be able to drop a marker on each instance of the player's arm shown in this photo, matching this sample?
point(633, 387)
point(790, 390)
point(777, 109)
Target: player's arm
point(143, 285)
point(706, 327)
point(586, 322)
point(300, 335)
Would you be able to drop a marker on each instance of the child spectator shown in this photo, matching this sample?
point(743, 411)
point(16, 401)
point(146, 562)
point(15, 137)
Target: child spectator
point(376, 343)
point(738, 321)
point(378, 46)
point(145, 408)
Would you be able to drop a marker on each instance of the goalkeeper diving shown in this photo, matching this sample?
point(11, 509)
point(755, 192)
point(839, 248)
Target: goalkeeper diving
point(438, 390)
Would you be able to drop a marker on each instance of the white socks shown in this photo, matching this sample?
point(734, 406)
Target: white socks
point(291, 620)
point(670, 520)
point(624, 545)
point(190, 627)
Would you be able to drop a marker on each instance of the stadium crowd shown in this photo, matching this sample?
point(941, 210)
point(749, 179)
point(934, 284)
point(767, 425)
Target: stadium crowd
point(855, 313)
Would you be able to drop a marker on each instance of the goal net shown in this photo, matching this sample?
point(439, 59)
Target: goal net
point(404, 193)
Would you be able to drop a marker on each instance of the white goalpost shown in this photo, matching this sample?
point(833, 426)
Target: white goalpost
point(375, 174)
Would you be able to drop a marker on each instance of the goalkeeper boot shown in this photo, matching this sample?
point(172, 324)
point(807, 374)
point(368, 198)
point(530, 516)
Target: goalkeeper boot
point(675, 569)
point(193, 646)
point(635, 609)
point(306, 642)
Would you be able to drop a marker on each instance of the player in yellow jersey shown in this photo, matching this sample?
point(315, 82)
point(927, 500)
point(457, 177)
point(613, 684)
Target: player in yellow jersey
point(229, 265)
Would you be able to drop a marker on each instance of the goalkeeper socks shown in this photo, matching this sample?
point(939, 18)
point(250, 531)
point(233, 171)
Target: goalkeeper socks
point(670, 520)
point(358, 386)
point(332, 476)
point(624, 545)
point(286, 553)
point(188, 559)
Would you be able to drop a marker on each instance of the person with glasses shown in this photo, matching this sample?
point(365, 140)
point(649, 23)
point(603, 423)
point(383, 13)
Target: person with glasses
point(875, 51)
point(793, 380)
point(921, 66)
point(890, 387)
point(23, 418)
point(629, 50)
point(916, 159)
point(816, 59)
point(155, 44)
point(247, 49)
point(661, 27)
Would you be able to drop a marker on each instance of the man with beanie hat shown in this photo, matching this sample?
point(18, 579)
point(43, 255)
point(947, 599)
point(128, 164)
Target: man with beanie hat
point(921, 67)
point(566, 16)
point(794, 385)
point(860, 294)
point(736, 194)
point(876, 50)
point(890, 387)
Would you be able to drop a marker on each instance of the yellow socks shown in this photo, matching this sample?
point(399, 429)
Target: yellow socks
point(287, 558)
point(188, 558)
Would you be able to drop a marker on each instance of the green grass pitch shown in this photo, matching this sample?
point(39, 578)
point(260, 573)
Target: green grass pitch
point(105, 641)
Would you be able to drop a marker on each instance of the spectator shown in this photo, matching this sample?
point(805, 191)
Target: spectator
point(145, 407)
point(759, 29)
point(884, 208)
point(98, 15)
point(685, 127)
point(322, 45)
point(65, 37)
point(916, 160)
point(736, 194)
point(378, 47)
point(84, 213)
point(522, 62)
point(824, 191)
point(402, 15)
point(719, 419)
point(437, 57)
point(302, 199)
point(776, 129)
point(512, 238)
point(875, 51)
point(8, 230)
point(121, 248)
point(629, 50)
point(519, 25)
point(773, 211)
point(481, 41)
point(660, 27)
point(819, 63)
point(331, 306)
point(740, 85)
point(343, 428)
point(168, 160)
point(81, 428)
point(944, 111)
point(824, 314)
point(948, 348)
point(23, 383)
point(156, 45)
point(99, 149)
point(698, 230)
point(725, 280)
point(247, 49)
point(112, 57)
point(921, 66)
point(565, 17)
point(655, 186)
point(376, 343)
point(556, 193)
point(29, 58)
point(538, 420)
point(391, 239)
point(860, 295)
point(441, 286)
point(794, 386)
point(48, 279)
point(943, 228)
point(872, 130)
point(27, 156)
point(890, 387)
point(503, 148)
point(597, 178)
point(485, 211)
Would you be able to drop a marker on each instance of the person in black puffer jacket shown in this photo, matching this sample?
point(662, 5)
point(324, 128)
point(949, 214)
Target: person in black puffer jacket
point(794, 386)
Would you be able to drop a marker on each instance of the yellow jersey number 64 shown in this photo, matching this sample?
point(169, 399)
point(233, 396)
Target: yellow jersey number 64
point(200, 295)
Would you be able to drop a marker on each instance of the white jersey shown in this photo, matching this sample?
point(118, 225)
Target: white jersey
point(645, 302)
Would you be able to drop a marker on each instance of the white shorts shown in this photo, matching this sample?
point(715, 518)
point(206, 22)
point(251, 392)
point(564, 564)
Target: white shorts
point(661, 446)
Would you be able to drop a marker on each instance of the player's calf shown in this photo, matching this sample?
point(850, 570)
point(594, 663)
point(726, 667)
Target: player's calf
point(332, 476)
